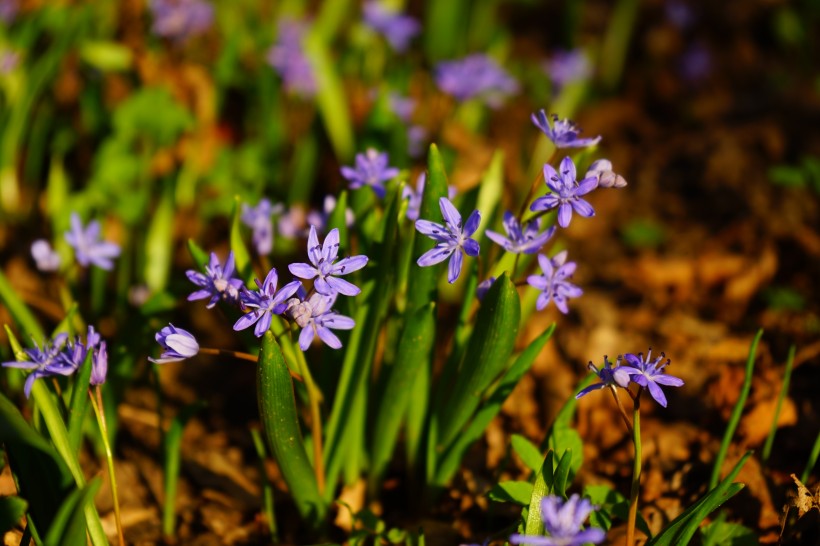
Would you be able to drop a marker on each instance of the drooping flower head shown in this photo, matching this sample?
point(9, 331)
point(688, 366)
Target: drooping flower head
point(265, 303)
point(553, 283)
point(563, 133)
point(476, 75)
point(43, 362)
point(521, 239)
point(601, 170)
point(316, 318)
point(650, 374)
point(566, 192)
point(218, 282)
point(452, 239)
point(45, 257)
point(397, 28)
point(287, 57)
point(609, 376)
point(260, 220)
point(88, 248)
point(568, 66)
point(372, 169)
point(179, 20)
point(324, 267)
point(177, 345)
point(563, 520)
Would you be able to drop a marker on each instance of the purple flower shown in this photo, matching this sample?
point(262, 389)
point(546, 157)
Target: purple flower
point(695, 63)
point(452, 239)
point(553, 283)
point(288, 58)
point(321, 218)
point(397, 28)
point(371, 170)
point(9, 59)
point(8, 10)
point(563, 133)
point(316, 317)
point(414, 197)
point(563, 521)
point(403, 107)
point(566, 193)
point(568, 66)
point(99, 365)
point(476, 75)
point(609, 376)
point(179, 20)
point(324, 268)
point(218, 282)
point(650, 374)
point(45, 257)
point(416, 138)
point(293, 223)
point(177, 345)
point(259, 219)
point(265, 303)
point(46, 361)
point(679, 14)
point(601, 170)
point(520, 239)
point(88, 249)
point(483, 287)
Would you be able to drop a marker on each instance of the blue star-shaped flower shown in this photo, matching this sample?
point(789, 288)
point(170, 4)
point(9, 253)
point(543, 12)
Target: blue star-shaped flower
point(521, 239)
point(325, 268)
point(566, 192)
point(563, 133)
point(265, 303)
point(451, 237)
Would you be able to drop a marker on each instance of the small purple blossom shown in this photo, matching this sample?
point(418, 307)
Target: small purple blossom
point(483, 287)
point(293, 223)
point(609, 376)
point(397, 28)
point(260, 220)
point(177, 345)
point(568, 66)
point(476, 75)
point(553, 282)
point(88, 249)
point(562, 132)
point(679, 14)
point(265, 303)
point(563, 520)
point(601, 170)
point(325, 268)
point(99, 365)
point(218, 282)
point(402, 106)
point(521, 239)
point(316, 318)
point(320, 218)
point(566, 193)
point(695, 63)
point(8, 10)
point(44, 362)
point(179, 20)
point(414, 197)
point(417, 136)
point(650, 374)
point(45, 257)
point(451, 239)
point(288, 58)
point(9, 59)
point(371, 170)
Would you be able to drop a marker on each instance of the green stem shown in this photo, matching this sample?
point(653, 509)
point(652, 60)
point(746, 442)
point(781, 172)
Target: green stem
point(97, 404)
point(635, 490)
point(315, 399)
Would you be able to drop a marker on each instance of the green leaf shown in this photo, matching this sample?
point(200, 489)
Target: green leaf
point(240, 250)
point(106, 56)
point(720, 533)
point(12, 510)
point(518, 492)
point(78, 406)
point(173, 452)
point(529, 453)
point(159, 242)
point(277, 408)
point(69, 525)
point(413, 353)
point(19, 311)
point(562, 472)
point(534, 525)
point(490, 347)
point(199, 256)
point(338, 220)
point(683, 527)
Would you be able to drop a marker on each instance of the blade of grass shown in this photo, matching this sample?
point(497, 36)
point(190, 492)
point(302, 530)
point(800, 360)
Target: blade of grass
point(737, 413)
point(784, 390)
point(173, 455)
point(267, 486)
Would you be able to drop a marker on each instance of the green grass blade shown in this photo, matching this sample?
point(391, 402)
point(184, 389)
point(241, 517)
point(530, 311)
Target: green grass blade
point(813, 456)
point(69, 525)
point(277, 408)
point(159, 242)
point(19, 311)
point(267, 486)
point(534, 525)
point(737, 412)
point(562, 474)
point(11, 511)
point(199, 256)
point(78, 406)
point(489, 350)
point(240, 250)
point(683, 527)
point(173, 456)
point(784, 390)
point(527, 451)
point(413, 353)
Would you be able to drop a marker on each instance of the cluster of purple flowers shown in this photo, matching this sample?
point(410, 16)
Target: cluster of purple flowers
point(88, 248)
point(476, 75)
point(646, 372)
point(288, 58)
point(62, 356)
point(372, 169)
point(179, 20)
point(398, 29)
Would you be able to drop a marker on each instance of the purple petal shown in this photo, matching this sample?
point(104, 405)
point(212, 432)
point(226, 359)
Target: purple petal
point(583, 208)
point(199, 295)
point(246, 320)
point(472, 223)
point(432, 229)
point(314, 248)
point(546, 202)
point(564, 214)
point(539, 282)
point(330, 248)
point(454, 269)
point(328, 337)
point(668, 380)
point(348, 265)
point(471, 247)
point(450, 213)
point(586, 185)
point(500, 240)
point(342, 287)
point(339, 322)
point(303, 271)
point(542, 301)
point(589, 389)
point(306, 337)
point(323, 287)
point(263, 325)
point(657, 393)
point(435, 255)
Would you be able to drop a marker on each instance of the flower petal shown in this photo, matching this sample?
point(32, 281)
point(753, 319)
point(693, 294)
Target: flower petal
point(435, 255)
point(450, 214)
point(328, 337)
point(303, 271)
point(348, 265)
point(306, 337)
point(454, 269)
point(342, 286)
point(330, 248)
point(472, 223)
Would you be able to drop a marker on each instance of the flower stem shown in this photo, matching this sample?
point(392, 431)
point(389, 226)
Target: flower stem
point(533, 187)
point(621, 409)
point(97, 404)
point(636, 471)
point(241, 356)
point(314, 398)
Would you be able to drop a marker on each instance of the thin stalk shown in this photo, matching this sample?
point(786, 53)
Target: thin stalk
point(97, 404)
point(635, 489)
point(533, 187)
point(314, 398)
point(241, 356)
point(787, 374)
point(621, 409)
